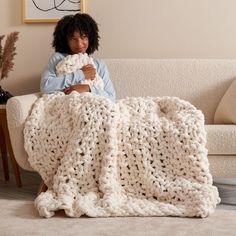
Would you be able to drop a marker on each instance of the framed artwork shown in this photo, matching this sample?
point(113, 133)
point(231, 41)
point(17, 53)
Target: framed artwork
point(47, 11)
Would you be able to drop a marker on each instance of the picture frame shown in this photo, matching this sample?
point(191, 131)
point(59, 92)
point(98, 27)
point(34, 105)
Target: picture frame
point(49, 11)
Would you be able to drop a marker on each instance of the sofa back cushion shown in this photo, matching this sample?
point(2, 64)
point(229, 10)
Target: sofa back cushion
point(202, 82)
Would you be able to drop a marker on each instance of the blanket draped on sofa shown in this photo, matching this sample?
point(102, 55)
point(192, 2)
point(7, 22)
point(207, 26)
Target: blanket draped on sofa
point(136, 157)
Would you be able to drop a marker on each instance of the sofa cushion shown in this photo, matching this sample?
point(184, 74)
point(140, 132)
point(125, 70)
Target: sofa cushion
point(201, 82)
point(221, 139)
point(226, 112)
point(222, 165)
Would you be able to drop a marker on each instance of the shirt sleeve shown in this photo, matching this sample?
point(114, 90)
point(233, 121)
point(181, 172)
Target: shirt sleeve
point(50, 82)
point(109, 90)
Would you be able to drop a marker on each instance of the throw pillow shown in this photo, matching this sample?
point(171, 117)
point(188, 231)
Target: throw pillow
point(226, 110)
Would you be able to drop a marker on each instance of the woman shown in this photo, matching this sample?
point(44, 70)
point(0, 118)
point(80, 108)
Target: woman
point(76, 34)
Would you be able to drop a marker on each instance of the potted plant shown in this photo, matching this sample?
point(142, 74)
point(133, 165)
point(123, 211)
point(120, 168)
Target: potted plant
point(7, 54)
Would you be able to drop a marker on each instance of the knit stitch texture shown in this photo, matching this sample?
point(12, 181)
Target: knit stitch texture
point(135, 157)
point(74, 62)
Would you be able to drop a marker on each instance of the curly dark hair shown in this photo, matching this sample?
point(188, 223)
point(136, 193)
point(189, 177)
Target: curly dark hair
point(68, 25)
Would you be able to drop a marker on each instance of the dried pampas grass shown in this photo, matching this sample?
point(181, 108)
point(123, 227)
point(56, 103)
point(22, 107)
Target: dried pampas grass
point(7, 54)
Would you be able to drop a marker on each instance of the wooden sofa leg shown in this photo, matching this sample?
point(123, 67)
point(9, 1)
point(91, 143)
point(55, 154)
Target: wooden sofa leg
point(4, 154)
point(42, 188)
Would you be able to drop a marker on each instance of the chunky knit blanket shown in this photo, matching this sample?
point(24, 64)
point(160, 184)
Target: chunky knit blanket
point(71, 63)
point(136, 157)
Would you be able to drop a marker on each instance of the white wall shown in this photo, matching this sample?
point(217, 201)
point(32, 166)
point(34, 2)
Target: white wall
point(129, 29)
point(166, 28)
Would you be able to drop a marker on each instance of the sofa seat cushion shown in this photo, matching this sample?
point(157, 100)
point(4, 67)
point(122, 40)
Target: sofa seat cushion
point(221, 139)
point(222, 165)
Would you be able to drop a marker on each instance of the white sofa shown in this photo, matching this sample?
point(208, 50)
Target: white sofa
point(202, 82)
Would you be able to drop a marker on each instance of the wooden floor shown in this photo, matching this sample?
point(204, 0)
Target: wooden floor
point(30, 182)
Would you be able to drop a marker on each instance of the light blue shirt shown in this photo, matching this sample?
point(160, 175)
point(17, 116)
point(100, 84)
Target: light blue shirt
point(50, 82)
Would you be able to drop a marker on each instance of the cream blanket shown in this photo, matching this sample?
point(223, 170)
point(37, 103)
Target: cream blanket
point(136, 157)
point(71, 63)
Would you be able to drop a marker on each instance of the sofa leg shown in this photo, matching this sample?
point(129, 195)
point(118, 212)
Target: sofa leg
point(42, 187)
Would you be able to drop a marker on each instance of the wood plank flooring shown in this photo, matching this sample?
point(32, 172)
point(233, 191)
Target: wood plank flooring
point(30, 182)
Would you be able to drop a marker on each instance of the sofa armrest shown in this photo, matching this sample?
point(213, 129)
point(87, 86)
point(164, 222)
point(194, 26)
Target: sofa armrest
point(17, 109)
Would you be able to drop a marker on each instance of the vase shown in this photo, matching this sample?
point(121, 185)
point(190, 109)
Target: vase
point(4, 96)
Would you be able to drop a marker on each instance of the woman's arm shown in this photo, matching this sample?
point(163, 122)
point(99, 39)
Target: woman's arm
point(109, 90)
point(50, 82)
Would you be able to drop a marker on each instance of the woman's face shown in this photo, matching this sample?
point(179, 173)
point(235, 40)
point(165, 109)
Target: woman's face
point(78, 43)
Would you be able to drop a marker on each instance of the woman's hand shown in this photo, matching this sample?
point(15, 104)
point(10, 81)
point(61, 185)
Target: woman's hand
point(89, 72)
point(81, 88)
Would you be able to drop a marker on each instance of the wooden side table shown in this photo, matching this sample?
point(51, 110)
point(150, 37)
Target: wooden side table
point(5, 146)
